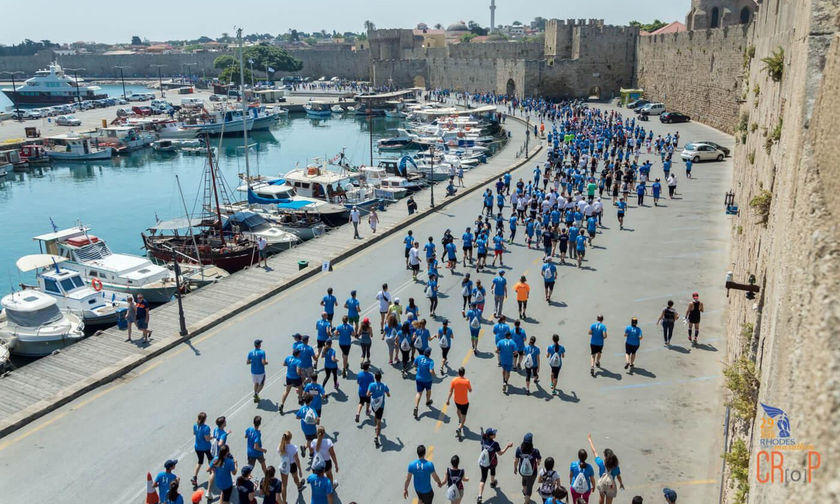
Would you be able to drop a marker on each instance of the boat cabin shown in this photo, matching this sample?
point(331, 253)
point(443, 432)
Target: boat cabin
point(31, 308)
point(315, 182)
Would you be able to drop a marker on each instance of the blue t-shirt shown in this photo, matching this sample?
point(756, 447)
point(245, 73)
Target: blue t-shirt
point(512, 222)
point(556, 349)
point(317, 392)
point(573, 234)
point(424, 367)
point(591, 224)
point(422, 471)
point(321, 488)
point(329, 355)
point(256, 357)
point(329, 303)
point(549, 272)
point(409, 241)
point(223, 474)
point(364, 379)
point(581, 242)
point(598, 330)
point(450, 250)
point(622, 206)
point(253, 440)
point(519, 338)
point(352, 307)
point(307, 353)
point(448, 334)
point(163, 479)
point(200, 432)
point(499, 331)
point(430, 249)
point(534, 352)
point(467, 239)
point(323, 328)
point(506, 349)
point(498, 243)
point(634, 335)
point(499, 284)
point(481, 245)
point(220, 435)
point(377, 390)
point(602, 468)
point(308, 429)
point(292, 363)
point(588, 472)
point(423, 334)
point(345, 334)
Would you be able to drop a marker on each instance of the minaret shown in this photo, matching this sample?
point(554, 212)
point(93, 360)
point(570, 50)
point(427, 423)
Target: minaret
point(492, 15)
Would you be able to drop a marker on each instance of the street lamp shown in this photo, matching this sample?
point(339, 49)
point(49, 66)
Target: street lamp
point(160, 80)
point(527, 133)
point(14, 92)
point(188, 65)
point(76, 77)
point(122, 78)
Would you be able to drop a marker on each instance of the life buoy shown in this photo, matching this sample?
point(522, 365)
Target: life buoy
point(96, 284)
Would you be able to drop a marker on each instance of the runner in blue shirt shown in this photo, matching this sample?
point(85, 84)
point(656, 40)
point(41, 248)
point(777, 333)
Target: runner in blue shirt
point(531, 364)
point(506, 350)
point(473, 316)
point(321, 486)
point(555, 353)
point(657, 191)
point(223, 469)
point(499, 293)
point(573, 234)
point(633, 338)
point(254, 445)
point(518, 336)
point(330, 364)
point(592, 227)
point(353, 308)
point(329, 302)
point(481, 251)
point(423, 471)
point(479, 297)
point(363, 379)
point(512, 222)
point(377, 392)
point(257, 361)
point(423, 378)
point(292, 364)
point(444, 336)
point(549, 274)
point(201, 433)
point(309, 421)
point(323, 328)
point(580, 248)
point(409, 242)
point(529, 231)
point(597, 335)
point(622, 209)
point(467, 245)
point(451, 257)
point(314, 389)
point(500, 202)
point(345, 334)
point(429, 248)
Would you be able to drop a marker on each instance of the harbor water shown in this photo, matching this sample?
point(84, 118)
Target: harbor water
point(121, 197)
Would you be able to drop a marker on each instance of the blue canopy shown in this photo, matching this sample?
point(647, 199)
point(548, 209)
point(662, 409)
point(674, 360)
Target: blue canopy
point(402, 166)
point(293, 205)
point(259, 200)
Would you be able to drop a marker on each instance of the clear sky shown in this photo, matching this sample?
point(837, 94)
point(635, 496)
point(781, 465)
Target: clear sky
point(116, 21)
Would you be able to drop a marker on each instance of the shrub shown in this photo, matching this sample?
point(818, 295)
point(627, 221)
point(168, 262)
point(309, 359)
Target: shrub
point(756, 89)
point(751, 157)
point(761, 205)
point(774, 64)
point(742, 382)
point(738, 459)
point(749, 54)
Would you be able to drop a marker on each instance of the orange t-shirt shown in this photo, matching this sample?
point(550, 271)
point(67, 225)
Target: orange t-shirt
point(461, 386)
point(522, 291)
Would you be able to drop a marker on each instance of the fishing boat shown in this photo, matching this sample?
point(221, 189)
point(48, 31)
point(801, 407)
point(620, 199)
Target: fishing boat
point(256, 227)
point(77, 149)
point(93, 259)
point(318, 109)
point(434, 173)
point(174, 129)
point(276, 197)
point(34, 154)
point(123, 139)
point(388, 187)
point(12, 157)
point(315, 181)
point(35, 323)
point(71, 292)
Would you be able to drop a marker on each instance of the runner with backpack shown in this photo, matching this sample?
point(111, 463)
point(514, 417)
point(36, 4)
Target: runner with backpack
point(473, 316)
point(549, 480)
point(555, 354)
point(531, 363)
point(581, 477)
point(608, 473)
point(444, 337)
point(489, 459)
point(526, 463)
point(376, 392)
point(454, 481)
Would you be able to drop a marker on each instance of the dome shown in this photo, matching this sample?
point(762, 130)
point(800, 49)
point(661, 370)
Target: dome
point(457, 27)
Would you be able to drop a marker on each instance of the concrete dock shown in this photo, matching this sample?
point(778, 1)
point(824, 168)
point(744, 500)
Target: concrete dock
point(40, 387)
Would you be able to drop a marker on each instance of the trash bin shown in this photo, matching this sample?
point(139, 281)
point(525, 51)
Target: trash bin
point(302, 264)
point(122, 322)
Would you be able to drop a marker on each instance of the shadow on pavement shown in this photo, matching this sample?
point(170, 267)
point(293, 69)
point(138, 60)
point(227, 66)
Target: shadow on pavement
point(680, 349)
point(559, 304)
point(706, 347)
point(642, 371)
point(268, 405)
point(606, 373)
point(566, 397)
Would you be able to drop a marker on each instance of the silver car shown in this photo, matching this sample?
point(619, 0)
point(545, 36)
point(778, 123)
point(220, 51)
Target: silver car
point(701, 152)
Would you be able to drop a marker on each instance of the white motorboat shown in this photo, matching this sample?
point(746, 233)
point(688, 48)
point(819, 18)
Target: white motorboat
point(278, 196)
point(318, 109)
point(173, 145)
point(77, 149)
point(5, 354)
point(255, 227)
point(122, 138)
point(51, 87)
point(34, 321)
point(389, 187)
point(338, 109)
point(334, 187)
point(173, 129)
point(97, 264)
point(71, 292)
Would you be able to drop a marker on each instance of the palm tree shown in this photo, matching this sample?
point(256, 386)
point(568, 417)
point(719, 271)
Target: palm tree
point(369, 26)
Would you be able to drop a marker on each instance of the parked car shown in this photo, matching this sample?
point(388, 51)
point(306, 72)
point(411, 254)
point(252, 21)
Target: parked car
point(652, 109)
point(87, 105)
point(701, 152)
point(33, 114)
point(633, 105)
point(725, 150)
point(215, 98)
point(144, 110)
point(137, 97)
point(124, 112)
point(67, 120)
point(673, 117)
point(192, 102)
point(121, 101)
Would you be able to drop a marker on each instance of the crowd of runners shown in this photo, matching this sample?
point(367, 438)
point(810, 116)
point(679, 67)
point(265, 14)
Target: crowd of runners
point(592, 167)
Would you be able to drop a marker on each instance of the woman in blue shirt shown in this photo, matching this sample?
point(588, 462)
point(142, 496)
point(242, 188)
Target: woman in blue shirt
point(633, 339)
point(330, 365)
point(223, 469)
point(201, 432)
point(432, 293)
point(405, 343)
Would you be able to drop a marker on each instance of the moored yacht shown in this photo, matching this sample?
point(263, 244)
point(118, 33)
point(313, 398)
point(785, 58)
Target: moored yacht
point(94, 260)
point(37, 326)
point(53, 87)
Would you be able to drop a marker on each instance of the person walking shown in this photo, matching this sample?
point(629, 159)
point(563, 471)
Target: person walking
point(405, 342)
point(692, 315)
point(633, 338)
point(271, 487)
point(423, 472)
point(257, 360)
point(316, 392)
point(322, 449)
point(672, 185)
point(130, 314)
point(581, 478)
point(549, 480)
point(414, 260)
point(329, 302)
point(246, 490)
point(523, 291)
point(432, 293)
point(289, 464)
point(499, 293)
point(444, 336)
point(479, 296)
point(330, 365)
point(223, 468)
point(353, 308)
point(555, 353)
point(355, 218)
point(253, 440)
point(309, 421)
point(202, 445)
point(597, 335)
point(667, 319)
point(488, 460)
point(377, 391)
point(622, 209)
point(454, 480)
point(320, 485)
point(423, 378)
point(373, 220)
point(365, 336)
point(262, 248)
point(363, 378)
point(466, 293)
point(526, 463)
point(345, 333)
point(531, 363)
point(460, 387)
point(293, 379)
point(549, 274)
point(473, 316)
point(608, 473)
point(384, 299)
point(408, 240)
point(506, 349)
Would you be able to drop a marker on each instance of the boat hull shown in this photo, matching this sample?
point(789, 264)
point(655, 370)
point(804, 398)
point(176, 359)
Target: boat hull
point(105, 153)
point(19, 99)
point(230, 261)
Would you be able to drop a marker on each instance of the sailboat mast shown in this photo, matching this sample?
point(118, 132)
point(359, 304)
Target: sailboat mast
point(189, 221)
point(244, 108)
point(216, 195)
point(370, 132)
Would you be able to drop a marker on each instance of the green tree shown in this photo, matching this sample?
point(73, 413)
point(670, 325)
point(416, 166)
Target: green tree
point(204, 39)
point(538, 23)
point(265, 56)
point(224, 61)
point(295, 36)
point(438, 26)
point(517, 23)
point(467, 37)
point(231, 74)
point(369, 26)
point(135, 40)
point(476, 28)
point(649, 27)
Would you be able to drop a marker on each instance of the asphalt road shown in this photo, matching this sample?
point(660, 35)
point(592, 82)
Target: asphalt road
point(663, 421)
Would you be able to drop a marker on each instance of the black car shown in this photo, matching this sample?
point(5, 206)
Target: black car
point(718, 146)
point(636, 105)
point(673, 117)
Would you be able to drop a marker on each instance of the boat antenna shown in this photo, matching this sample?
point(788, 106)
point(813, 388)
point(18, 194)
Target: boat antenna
point(370, 132)
point(189, 220)
point(55, 264)
point(244, 108)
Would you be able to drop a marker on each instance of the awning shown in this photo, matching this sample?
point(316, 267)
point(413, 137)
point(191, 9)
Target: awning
point(35, 261)
point(179, 223)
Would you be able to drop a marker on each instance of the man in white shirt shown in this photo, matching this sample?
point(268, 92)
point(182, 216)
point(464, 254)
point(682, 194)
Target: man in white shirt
point(414, 260)
point(261, 246)
point(384, 298)
point(355, 217)
point(599, 209)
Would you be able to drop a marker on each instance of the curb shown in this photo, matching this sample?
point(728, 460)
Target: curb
point(45, 406)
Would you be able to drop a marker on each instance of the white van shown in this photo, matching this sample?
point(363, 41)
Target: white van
point(653, 109)
point(192, 102)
